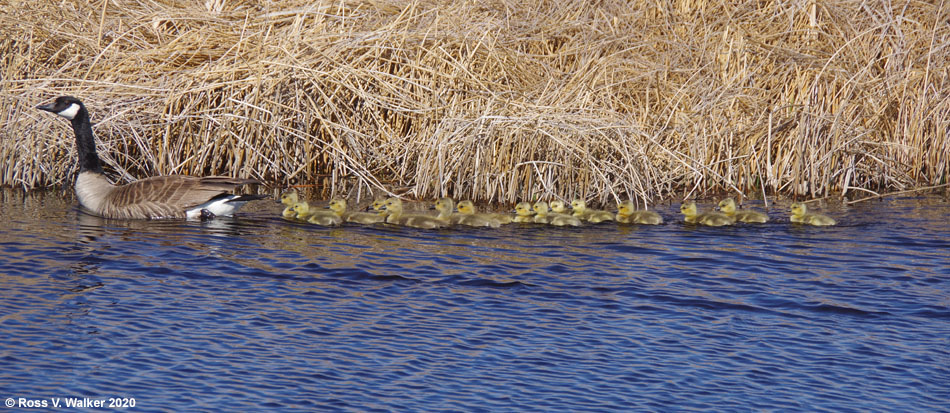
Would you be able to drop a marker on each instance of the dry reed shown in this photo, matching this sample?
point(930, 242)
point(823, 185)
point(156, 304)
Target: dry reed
point(493, 100)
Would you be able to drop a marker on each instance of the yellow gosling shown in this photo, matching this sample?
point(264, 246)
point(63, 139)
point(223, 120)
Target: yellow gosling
point(541, 210)
point(468, 208)
point(558, 207)
point(524, 212)
point(316, 216)
point(560, 213)
point(446, 206)
point(325, 218)
point(289, 199)
point(467, 216)
point(393, 207)
point(590, 215)
point(728, 207)
point(338, 206)
point(301, 210)
point(712, 218)
point(628, 214)
point(543, 215)
point(800, 215)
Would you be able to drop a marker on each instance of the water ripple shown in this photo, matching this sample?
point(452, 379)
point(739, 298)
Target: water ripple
point(259, 313)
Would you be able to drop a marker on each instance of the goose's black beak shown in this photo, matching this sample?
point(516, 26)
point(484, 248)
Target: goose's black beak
point(48, 107)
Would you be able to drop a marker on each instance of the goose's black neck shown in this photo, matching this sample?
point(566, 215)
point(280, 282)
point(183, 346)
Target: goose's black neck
point(86, 142)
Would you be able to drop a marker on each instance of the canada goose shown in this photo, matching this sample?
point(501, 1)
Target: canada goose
point(290, 199)
point(171, 196)
point(627, 214)
point(338, 206)
point(589, 215)
point(445, 207)
point(393, 207)
point(543, 215)
point(800, 215)
point(316, 216)
point(524, 212)
point(712, 218)
point(728, 207)
point(467, 207)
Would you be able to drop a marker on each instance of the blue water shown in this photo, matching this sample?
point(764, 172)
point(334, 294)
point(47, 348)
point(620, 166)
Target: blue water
point(261, 314)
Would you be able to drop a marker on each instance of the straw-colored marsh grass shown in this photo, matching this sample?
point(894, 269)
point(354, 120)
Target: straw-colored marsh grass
point(491, 100)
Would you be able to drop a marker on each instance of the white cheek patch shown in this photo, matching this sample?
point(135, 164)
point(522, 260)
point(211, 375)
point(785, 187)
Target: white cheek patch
point(70, 112)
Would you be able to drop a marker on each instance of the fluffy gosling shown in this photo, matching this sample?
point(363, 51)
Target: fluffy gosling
point(316, 216)
point(728, 207)
point(338, 206)
point(590, 215)
point(628, 214)
point(523, 212)
point(468, 208)
point(800, 215)
point(712, 218)
point(289, 199)
point(543, 215)
point(393, 207)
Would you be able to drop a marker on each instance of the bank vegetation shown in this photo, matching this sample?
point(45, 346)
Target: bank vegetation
point(494, 100)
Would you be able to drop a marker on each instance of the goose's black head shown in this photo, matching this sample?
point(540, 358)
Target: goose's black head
point(65, 106)
point(72, 109)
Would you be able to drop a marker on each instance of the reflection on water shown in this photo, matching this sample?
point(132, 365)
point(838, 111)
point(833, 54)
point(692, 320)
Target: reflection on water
point(260, 313)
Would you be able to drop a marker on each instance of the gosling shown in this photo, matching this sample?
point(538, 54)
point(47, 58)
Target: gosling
point(524, 212)
point(542, 215)
point(445, 206)
point(593, 216)
point(558, 207)
point(728, 207)
point(467, 207)
point(559, 210)
point(800, 215)
point(628, 214)
point(289, 199)
point(712, 218)
point(393, 207)
point(316, 216)
point(338, 206)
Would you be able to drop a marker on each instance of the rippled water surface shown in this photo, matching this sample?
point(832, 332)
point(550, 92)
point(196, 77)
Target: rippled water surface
point(257, 313)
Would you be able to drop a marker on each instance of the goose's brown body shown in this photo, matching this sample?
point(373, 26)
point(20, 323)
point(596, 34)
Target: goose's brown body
point(160, 197)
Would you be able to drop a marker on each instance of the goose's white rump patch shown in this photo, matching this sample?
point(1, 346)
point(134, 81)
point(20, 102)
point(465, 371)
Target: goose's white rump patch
point(222, 207)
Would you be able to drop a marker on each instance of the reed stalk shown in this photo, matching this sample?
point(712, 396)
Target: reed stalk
point(494, 100)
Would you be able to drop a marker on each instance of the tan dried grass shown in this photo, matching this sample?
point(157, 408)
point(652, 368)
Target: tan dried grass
point(491, 100)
